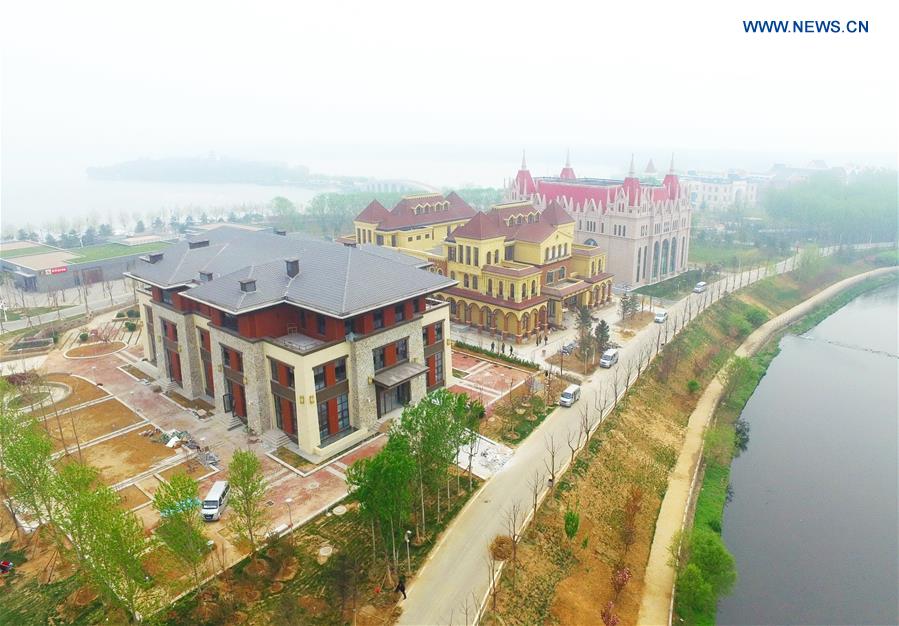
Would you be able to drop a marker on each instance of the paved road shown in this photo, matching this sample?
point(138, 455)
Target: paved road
point(121, 295)
point(456, 577)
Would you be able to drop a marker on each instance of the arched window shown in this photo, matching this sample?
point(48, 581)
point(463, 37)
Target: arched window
point(546, 255)
point(520, 219)
point(489, 286)
point(453, 275)
point(496, 256)
point(533, 288)
point(501, 289)
point(562, 272)
point(530, 218)
point(512, 291)
point(564, 249)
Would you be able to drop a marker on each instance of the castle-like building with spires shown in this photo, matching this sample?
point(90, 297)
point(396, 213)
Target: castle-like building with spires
point(642, 224)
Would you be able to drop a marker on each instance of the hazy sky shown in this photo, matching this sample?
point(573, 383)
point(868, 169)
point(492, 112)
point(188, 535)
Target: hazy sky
point(341, 85)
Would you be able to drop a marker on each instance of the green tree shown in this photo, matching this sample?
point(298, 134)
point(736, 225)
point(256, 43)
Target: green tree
point(139, 227)
point(105, 230)
point(810, 263)
point(382, 485)
point(181, 529)
point(624, 305)
point(248, 517)
point(584, 329)
point(106, 540)
point(737, 372)
point(708, 552)
point(693, 593)
point(603, 335)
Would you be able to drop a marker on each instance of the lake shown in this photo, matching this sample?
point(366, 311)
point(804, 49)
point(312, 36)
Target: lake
point(813, 522)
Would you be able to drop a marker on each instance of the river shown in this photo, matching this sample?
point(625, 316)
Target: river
point(813, 521)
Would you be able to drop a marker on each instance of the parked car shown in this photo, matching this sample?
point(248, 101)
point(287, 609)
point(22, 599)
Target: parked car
point(571, 395)
point(215, 501)
point(661, 317)
point(700, 287)
point(568, 348)
point(608, 358)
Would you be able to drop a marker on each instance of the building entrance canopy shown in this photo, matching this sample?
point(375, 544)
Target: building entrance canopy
point(398, 374)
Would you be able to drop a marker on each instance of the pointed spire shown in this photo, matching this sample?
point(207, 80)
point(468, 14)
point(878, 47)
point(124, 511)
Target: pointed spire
point(524, 163)
point(631, 172)
point(671, 169)
point(568, 157)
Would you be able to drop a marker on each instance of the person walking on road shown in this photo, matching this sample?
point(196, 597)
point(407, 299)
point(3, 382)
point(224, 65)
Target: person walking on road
point(401, 586)
point(493, 346)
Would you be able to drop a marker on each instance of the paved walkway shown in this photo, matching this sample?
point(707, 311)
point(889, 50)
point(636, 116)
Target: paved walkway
point(97, 298)
point(658, 584)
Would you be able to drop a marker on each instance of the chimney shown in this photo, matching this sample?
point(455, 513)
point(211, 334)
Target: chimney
point(248, 285)
point(200, 243)
point(293, 267)
point(155, 257)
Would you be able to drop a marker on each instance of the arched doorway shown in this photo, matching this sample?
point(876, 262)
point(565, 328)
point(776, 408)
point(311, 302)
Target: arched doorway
point(664, 257)
point(655, 260)
point(673, 253)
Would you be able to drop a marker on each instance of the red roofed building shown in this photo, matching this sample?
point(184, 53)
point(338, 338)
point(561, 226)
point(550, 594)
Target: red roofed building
point(642, 224)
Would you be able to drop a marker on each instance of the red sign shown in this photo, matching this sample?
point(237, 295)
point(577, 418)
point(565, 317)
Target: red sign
point(56, 270)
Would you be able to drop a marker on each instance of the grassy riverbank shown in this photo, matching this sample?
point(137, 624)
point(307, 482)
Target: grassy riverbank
point(727, 436)
point(618, 481)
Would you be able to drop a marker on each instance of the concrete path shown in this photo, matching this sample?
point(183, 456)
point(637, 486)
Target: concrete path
point(658, 584)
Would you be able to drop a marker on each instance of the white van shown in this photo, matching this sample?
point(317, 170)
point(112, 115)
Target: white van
point(608, 358)
point(661, 317)
point(571, 395)
point(700, 287)
point(215, 501)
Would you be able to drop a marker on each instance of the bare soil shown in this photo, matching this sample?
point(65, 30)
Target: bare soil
point(82, 391)
point(192, 468)
point(132, 497)
point(138, 374)
point(638, 321)
point(89, 423)
point(195, 405)
point(125, 456)
point(95, 349)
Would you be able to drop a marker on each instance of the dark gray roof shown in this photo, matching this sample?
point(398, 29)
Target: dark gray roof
point(334, 279)
point(394, 255)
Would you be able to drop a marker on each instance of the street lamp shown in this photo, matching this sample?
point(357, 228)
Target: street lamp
point(288, 501)
point(408, 558)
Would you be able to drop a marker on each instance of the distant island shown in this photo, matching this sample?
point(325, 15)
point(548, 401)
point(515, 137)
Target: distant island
point(216, 169)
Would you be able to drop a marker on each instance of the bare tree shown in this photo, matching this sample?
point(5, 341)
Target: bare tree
point(491, 565)
point(659, 339)
point(585, 426)
point(616, 383)
point(574, 443)
point(536, 484)
point(645, 357)
point(514, 518)
point(552, 449)
point(630, 368)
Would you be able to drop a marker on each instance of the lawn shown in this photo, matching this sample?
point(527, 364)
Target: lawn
point(724, 255)
point(112, 250)
point(676, 287)
point(17, 314)
point(11, 254)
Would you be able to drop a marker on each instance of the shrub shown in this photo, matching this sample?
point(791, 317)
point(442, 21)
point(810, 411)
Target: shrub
point(133, 313)
point(120, 314)
point(496, 355)
point(693, 386)
point(83, 337)
point(130, 327)
point(572, 522)
point(756, 316)
point(715, 525)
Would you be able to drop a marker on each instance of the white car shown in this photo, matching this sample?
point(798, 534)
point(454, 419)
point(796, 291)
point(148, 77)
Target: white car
point(661, 317)
point(700, 287)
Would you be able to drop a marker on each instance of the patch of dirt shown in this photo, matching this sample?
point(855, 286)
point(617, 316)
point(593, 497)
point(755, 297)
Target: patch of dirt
point(140, 375)
point(312, 605)
point(83, 596)
point(82, 391)
point(125, 456)
point(638, 321)
point(195, 405)
point(95, 349)
point(288, 570)
point(193, 469)
point(245, 593)
point(89, 423)
point(257, 568)
point(132, 497)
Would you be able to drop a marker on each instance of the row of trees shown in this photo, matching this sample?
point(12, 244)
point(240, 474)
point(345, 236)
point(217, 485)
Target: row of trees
point(404, 483)
point(87, 525)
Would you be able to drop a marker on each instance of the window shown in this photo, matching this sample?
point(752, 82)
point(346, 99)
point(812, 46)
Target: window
point(562, 272)
point(399, 312)
point(378, 356)
point(438, 368)
point(550, 276)
point(450, 252)
point(347, 326)
point(290, 378)
point(476, 256)
point(424, 335)
point(343, 412)
point(340, 371)
point(379, 318)
point(402, 350)
point(511, 291)
point(319, 375)
point(489, 286)
point(474, 282)
point(166, 296)
point(232, 359)
point(438, 331)
point(467, 255)
point(465, 280)
point(380, 240)
point(323, 430)
point(320, 323)
point(274, 370)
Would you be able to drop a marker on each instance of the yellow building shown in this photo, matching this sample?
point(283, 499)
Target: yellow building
point(518, 268)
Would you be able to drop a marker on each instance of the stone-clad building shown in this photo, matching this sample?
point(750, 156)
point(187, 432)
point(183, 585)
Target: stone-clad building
point(517, 267)
point(308, 342)
point(643, 226)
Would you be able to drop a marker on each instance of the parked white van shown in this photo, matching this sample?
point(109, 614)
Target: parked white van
point(608, 358)
point(215, 501)
point(700, 287)
point(661, 317)
point(571, 395)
